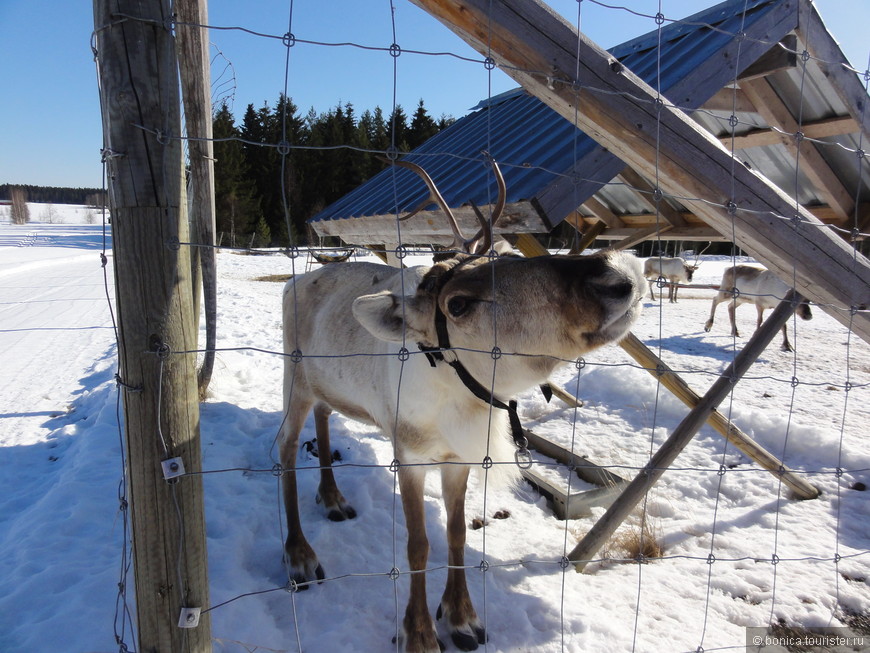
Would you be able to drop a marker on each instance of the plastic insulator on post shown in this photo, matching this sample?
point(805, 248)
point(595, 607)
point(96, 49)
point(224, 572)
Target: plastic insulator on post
point(189, 617)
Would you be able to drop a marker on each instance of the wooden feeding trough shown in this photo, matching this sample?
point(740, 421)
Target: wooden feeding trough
point(568, 504)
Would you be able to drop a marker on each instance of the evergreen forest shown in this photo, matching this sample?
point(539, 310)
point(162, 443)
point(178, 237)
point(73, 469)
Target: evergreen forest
point(329, 154)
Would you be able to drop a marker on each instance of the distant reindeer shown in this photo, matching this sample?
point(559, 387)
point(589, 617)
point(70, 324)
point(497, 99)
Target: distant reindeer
point(747, 284)
point(673, 270)
point(347, 331)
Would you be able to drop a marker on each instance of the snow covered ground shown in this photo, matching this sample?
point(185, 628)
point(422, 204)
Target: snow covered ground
point(737, 550)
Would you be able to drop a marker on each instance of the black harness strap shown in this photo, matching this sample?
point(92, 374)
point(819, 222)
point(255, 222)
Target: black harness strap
point(436, 354)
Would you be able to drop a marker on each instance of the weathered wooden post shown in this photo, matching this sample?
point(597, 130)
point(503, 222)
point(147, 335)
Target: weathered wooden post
point(139, 95)
point(195, 76)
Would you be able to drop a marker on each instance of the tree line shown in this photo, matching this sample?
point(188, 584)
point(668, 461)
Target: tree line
point(325, 155)
point(54, 194)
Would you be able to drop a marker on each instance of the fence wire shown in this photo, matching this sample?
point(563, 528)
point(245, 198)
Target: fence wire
point(719, 467)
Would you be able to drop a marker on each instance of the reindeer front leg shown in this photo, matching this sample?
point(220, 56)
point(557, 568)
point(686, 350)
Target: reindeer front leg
point(418, 629)
point(718, 299)
point(299, 558)
point(466, 630)
point(337, 508)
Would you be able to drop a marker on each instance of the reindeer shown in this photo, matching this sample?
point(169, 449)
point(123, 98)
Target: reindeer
point(448, 410)
point(747, 284)
point(672, 270)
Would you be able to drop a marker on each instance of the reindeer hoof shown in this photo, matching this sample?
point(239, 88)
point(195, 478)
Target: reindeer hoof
point(341, 513)
point(303, 583)
point(468, 641)
point(303, 574)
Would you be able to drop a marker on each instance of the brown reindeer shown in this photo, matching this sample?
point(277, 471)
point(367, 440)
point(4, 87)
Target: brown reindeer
point(747, 284)
point(351, 332)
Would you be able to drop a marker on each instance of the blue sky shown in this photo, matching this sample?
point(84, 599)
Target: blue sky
point(50, 117)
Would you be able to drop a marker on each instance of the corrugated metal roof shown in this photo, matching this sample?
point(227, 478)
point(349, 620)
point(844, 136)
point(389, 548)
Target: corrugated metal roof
point(536, 148)
point(531, 142)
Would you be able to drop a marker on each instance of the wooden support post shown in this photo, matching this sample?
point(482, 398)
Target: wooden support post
point(195, 74)
point(682, 435)
point(589, 237)
point(673, 382)
point(139, 96)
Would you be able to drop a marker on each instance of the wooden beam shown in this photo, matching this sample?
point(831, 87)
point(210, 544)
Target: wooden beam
point(600, 211)
point(641, 235)
point(781, 56)
point(646, 192)
point(699, 84)
point(729, 99)
point(430, 226)
point(694, 233)
point(727, 429)
point(617, 109)
point(825, 128)
point(775, 112)
point(530, 246)
point(589, 237)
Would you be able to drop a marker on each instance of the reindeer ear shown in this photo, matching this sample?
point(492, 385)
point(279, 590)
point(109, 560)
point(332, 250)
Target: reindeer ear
point(384, 316)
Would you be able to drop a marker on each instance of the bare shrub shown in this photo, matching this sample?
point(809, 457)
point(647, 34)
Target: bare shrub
point(50, 215)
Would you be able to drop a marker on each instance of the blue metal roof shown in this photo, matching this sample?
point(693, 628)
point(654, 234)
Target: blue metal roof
point(533, 144)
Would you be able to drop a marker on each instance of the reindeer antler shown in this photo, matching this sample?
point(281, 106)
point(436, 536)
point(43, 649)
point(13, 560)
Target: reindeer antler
point(484, 235)
point(696, 264)
point(482, 240)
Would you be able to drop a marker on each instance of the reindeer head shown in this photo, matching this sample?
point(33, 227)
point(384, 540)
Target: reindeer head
point(548, 309)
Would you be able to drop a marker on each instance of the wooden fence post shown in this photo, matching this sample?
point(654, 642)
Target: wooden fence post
point(139, 96)
point(195, 76)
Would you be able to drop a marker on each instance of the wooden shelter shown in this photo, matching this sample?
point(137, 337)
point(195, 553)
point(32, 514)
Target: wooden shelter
point(764, 78)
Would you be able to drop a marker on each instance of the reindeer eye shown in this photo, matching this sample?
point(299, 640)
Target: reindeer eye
point(458, 306)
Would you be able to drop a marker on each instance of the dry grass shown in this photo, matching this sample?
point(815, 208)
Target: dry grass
point(637, 540)
point(280, 278)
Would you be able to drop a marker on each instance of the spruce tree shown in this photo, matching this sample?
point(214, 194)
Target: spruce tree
point(422, 128)
point(236, 208)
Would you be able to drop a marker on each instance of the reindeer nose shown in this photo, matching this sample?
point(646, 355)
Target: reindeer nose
point(617, 290)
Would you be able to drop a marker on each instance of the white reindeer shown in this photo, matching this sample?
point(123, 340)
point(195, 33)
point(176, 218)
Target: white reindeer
point(747, 284)
point(673, 270)
point(347, 331)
